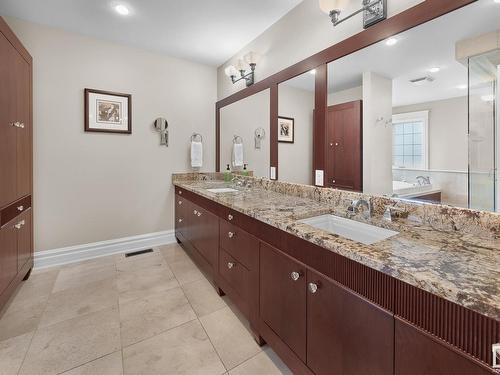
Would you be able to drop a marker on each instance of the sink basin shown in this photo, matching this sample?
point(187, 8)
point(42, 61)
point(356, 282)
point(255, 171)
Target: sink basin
point(353, 230)
point(222, 190)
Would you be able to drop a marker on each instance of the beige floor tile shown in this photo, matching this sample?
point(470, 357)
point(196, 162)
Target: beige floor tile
point(231, 339)
point(75, 302)
point(140, 261)
point(12, 352)
point(173, 253)
point(203, 297)
point(185, 350)
point(186, 271)
point(266, 362)
point(72, 343)
point(144, 318)
point(74, 277)
point(22, 320)
point(107, 365)
point(144, 282)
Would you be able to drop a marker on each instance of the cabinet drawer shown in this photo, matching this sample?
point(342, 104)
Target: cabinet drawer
point(235, 273)
point(11, 211)
point(8, 254)
point(241, 245)
point(24, 241)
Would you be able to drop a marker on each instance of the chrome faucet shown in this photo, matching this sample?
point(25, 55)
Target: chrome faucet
point(360, 206)
point(240, 182)
point(423, 180)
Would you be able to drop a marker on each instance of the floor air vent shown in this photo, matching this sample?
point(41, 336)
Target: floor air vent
point(134, 253)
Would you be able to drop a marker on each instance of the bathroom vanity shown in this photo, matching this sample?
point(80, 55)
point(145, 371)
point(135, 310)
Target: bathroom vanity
point(424, 300)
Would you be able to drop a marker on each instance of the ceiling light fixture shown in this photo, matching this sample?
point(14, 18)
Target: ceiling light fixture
point(122, 9)
point(373, 11)
point(391, 41)
point(497, 1)
point(434, 70)
point(251, 58)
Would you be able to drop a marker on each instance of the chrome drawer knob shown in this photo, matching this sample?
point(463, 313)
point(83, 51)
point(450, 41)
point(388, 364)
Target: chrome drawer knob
point(198, 213)
point(180, 202)
point(18, 124)
point(180, 220)
point(230, 234)
point(230, 265)
point(230, 217)
point(295, 276)
point(20, 224)
point(180, 192)
point(195, 212)
point(313, 288)
point(20, 208)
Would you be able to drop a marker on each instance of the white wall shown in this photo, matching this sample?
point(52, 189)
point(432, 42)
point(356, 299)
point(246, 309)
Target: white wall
point(242, 118)
point(377, 136)
point(89, 186)
point(305, 30)
point(345, 96)
point(295, 159)
point(448, 121)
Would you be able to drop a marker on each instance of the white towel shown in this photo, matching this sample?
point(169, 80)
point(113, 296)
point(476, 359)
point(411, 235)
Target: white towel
point(196, 154)
point(238, 154)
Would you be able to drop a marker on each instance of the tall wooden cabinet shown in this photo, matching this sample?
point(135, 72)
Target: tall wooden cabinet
point(16, 155)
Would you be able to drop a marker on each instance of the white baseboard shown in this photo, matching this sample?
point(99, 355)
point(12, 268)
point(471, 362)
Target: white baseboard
point(72, 254)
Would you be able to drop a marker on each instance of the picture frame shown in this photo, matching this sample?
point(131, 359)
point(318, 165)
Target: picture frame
point(286, 129)
point(107, 112)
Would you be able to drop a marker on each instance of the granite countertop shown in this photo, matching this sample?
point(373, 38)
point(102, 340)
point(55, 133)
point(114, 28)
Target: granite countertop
point(461, 267)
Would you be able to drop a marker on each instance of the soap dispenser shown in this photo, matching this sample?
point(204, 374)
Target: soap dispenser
point(227, 174)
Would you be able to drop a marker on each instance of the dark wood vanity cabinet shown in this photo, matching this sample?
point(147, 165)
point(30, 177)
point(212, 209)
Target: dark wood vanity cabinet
point(16, 243)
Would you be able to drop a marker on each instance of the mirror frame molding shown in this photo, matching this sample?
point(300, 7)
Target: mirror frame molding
point(407, 19)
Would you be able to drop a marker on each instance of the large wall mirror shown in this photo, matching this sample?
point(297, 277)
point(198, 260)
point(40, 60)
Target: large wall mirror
point(244, 135)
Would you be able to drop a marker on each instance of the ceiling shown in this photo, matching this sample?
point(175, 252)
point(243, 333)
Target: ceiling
point(418, 50)
point(205, 31)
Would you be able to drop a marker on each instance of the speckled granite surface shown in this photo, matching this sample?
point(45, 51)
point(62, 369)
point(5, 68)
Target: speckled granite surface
point(453, 253)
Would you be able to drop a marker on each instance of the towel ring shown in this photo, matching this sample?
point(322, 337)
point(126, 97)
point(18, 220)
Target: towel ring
point(237, 139)
point(195, 136)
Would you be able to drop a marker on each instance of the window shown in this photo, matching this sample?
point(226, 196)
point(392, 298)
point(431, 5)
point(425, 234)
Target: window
point(409, 140)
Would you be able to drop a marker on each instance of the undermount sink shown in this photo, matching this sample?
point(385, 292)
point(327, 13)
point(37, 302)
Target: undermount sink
point(353, 230)
point(222, 190)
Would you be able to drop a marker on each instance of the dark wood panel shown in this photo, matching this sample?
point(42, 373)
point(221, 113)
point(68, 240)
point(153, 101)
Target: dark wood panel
point(418, 353)
point(206, 239)
point(432, 198)
point(234, 273)
point(14, 209)
point(273, 128)
point(8, 254)
point(282, 299)
point(24, 240)
point(319, 121)
point(7, 294)
point(241, 245)
point(344, 144)
point(346, 334)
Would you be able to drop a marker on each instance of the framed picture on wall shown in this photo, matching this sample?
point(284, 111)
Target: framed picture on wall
point(108, 112)
point(286, 129)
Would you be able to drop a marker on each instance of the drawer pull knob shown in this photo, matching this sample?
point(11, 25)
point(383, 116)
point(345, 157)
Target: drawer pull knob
point(20, 224)
point(180, 202)
point(230, 234)
point(230, 265)
point(295, 276)
point(199, 214)
point(18, 124)
point(180, 220)
point(20, 208)
point(195, 212)
point(230, 217)
point(313, 288)
point(180, 192)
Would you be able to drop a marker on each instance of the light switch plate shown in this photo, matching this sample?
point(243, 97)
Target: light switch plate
point(272, 173)
point(319, 179)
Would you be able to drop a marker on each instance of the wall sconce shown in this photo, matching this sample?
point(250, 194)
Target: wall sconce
point(251, 58)
point(373, 11)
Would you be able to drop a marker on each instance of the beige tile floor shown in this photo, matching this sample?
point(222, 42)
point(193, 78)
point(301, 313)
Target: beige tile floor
point(151, 314)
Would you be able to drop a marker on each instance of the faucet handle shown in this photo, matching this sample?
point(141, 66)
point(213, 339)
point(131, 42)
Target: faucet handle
point(393, 212)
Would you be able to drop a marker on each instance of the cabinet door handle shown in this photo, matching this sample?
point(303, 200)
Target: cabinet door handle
point(333, 181)
point(195, 212)
point(20, 208)
point(180, 220)
point(180, 192)
point(295, 276)
point(17, 124)
point(180, 202)
point(198, 213)
point(230, 265)
point(230, 234)
point(230, 217)
point(20, 224)
point(313, 287)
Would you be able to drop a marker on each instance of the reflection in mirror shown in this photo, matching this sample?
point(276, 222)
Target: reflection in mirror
point(417, 111)
point(295, 128)
point(239, 124)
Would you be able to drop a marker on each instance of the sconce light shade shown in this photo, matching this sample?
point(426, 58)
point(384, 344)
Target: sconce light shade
point(240, 65)
point(252, 58)
point(328, 5)
point(231, 71)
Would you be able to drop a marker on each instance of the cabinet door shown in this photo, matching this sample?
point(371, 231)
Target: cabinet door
point(8, 133)
point(346, 334)
point(182, 216)
point(207, 234)
point(24, 247)
point(283, 298)
point(23, 144)
point(8, 254)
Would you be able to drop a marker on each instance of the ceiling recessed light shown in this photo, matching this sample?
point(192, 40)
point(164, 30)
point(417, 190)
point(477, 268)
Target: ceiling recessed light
point(391, 41)
point(497, 1)
point(462, 87)
point(122, 9)
point(434, 69)
point(313, 71)
point(488, 98)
